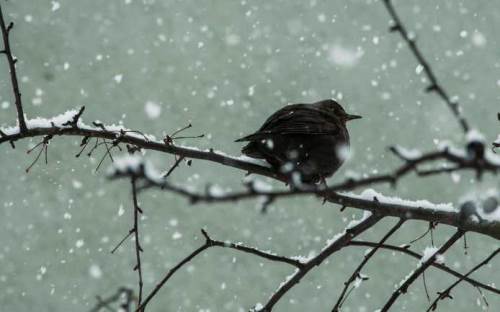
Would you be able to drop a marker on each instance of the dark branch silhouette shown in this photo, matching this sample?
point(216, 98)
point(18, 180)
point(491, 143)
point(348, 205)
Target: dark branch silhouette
point(376, 203)
point(357, 273)
point(474, 156)
point(446, 293)
point(12, 69)
point(209, 242)
point(124, 296)
point(138, 248)
point(434, 85)
point(415, 255)
point(420, 270)
point(338, 242)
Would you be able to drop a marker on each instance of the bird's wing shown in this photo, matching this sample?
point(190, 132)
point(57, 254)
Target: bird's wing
point(295, 119)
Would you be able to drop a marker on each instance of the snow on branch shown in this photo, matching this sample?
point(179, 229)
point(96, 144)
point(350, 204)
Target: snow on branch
point(423, 265)
point(368, 200)
point(473, 156)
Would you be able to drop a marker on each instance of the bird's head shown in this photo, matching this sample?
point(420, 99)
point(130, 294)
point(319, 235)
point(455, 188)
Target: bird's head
point(333, 108)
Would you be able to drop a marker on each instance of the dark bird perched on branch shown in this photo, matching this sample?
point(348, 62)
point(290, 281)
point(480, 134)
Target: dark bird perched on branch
point(308, 139)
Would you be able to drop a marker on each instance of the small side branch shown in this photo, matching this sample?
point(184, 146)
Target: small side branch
point(341, 241)
point(357, 273)
point(138, 248)
point(434, 85)
point(209, 242)
point(421, 269)
point(123, 294)
point(446, 293)
point(6, 29)
point(440, 266)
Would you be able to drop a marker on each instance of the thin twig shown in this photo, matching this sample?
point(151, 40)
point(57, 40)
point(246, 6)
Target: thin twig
point(422, 267)
point(115, 298)
point(440, 266)
point(123, 240)
point(434, 85)
point(382, 206)
point(12, 68)
point(174, 166)
point(209, 242)
point(138, 248)
point(356, 274)
point(446, 293)
point(340, 242)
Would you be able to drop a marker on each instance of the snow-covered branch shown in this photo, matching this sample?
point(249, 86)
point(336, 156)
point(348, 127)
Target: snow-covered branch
point(370, 200)
point(423, 265)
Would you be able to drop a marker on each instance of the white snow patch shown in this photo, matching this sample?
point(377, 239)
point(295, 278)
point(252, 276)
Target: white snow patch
point(118, 78)
point(475, 135)
point(216, 191)
point(353, 223)
point(478, 39)
point(76, 184)
point(176, 235)
point(55, 6)
point(429, 251)
point(127, 163)
point(344, 56)
point(232, 39)
point(152, 109)
point(408, 153)
point(370, 194)
point(95, 271)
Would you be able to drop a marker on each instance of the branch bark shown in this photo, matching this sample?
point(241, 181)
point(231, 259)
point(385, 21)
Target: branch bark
point(434, 85)
point(420, 270)
point(12, 69)
point(331, 248)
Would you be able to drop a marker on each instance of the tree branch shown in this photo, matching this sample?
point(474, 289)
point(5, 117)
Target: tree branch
point(421, 268)
point(138, 248)
point(107, 302)
point(446, 293)
point(357, 273)
point(209, 242)
point(368, 200)
point(337, 243)
point(434, 85)
point(12, 69)
point(415, 255)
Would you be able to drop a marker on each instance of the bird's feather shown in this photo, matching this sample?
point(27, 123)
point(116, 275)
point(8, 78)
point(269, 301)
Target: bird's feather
point(295, 119)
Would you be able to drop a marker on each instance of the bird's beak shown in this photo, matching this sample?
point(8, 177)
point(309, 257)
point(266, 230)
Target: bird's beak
point(352, 117)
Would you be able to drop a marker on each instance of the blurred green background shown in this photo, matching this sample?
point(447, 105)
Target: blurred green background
point(225, 66)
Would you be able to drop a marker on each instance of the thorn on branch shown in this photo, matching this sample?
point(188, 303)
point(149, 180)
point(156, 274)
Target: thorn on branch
point(99, 124)
point(74, 121)
point(174, 166)
point(44, 148)
point(131, 149)
point(268, 200)
point(207, 237)
point(83, 144)
point(169, 139)
point(431, 88)
point(394, 28)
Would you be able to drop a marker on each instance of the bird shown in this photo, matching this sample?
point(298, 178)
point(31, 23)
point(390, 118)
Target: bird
point(307, 142)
